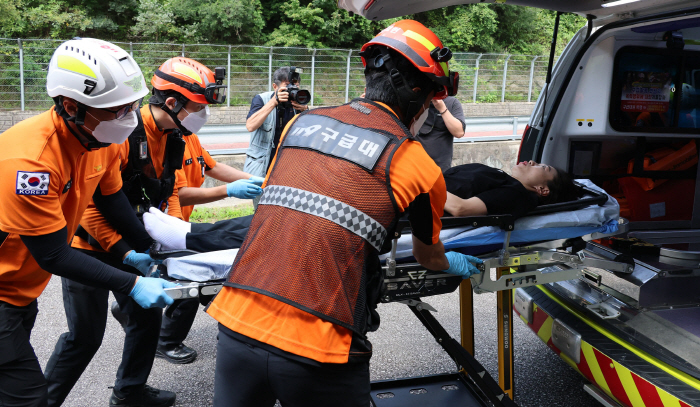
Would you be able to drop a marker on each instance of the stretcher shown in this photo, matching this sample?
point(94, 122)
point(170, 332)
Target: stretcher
point(518, 250)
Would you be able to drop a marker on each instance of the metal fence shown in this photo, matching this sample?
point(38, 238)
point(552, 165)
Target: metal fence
point(333, 76)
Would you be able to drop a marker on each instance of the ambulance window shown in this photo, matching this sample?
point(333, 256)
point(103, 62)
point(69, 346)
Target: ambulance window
point(689, 117)
point(644, 91)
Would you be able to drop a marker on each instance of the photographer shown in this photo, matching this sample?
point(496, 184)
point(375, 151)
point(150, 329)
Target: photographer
point(269, 113)
point(444, 123)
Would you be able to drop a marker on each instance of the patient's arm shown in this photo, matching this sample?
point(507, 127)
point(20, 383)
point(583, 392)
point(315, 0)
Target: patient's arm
point(431, 256)
point(465, 207)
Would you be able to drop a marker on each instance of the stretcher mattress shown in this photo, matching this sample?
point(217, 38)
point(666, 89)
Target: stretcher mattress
point(215, 265)
point(529, 229)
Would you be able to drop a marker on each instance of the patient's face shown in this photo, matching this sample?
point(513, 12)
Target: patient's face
point(534, 174)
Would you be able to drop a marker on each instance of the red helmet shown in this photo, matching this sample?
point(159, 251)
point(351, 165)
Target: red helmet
point(423, 48)
point(193, 80)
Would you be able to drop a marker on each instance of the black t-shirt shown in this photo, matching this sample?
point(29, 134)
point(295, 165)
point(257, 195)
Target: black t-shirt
point(501, 193)
point(284, 115)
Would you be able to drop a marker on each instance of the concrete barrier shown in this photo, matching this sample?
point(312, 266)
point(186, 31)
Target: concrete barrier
point(237, 114)
point(497, 154)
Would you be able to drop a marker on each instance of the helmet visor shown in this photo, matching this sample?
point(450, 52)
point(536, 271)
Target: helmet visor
point(453, 87)
point(215, 93)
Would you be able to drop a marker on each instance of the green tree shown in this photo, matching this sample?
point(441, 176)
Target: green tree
point(231, 21)
point(155, 22)
point(464, 28)
point(318, 24)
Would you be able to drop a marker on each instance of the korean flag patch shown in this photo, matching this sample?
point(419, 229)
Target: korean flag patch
point(32, 183)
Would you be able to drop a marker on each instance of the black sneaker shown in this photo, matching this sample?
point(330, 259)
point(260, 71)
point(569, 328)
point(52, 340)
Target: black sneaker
point(179, 354)
point(117, 313)
point(146, 397)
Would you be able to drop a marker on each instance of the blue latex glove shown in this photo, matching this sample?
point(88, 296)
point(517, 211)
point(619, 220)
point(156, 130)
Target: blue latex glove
point(243, 189)
point(148, 292)
point(257, 180)
point(140, 261)
point(462, 264)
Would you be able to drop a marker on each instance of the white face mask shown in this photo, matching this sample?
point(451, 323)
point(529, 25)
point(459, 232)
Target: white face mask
point(418, 123)
point(195, 121)
point(115, 131)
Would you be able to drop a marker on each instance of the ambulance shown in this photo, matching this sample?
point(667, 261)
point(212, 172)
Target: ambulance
point(621, 107)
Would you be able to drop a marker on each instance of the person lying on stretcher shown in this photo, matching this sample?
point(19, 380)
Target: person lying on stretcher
point(473, 190)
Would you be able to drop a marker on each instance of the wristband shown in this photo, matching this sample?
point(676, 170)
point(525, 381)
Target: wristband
point(443, 112)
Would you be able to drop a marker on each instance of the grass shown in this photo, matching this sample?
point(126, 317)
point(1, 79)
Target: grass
point(211, 215)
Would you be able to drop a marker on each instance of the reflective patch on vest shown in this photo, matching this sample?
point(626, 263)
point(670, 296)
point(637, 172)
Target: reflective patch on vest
point(32, 183)
point(328, 208)
point(360, 108)
point(188, 161)
point(328, 136)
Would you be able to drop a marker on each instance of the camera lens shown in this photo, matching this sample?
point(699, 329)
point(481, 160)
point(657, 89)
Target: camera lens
point(302, 97)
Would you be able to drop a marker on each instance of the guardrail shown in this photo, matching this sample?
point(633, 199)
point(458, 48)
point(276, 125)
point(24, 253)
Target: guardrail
point(239, 131)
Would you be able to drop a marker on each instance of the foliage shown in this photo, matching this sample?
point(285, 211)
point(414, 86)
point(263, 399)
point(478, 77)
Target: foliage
point(305, 23)
point(499, 28)
point(202, 214)
point(320, 24)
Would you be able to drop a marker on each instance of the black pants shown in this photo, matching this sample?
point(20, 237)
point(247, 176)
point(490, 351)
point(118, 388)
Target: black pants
point(86, 312)
point(21, 382)
point(222, 235)
point(177, 321)
point(205, 237)
point(250, 376)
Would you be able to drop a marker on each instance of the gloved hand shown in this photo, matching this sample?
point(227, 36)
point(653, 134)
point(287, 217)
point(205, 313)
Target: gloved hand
point(148, 292)
point(257, 180)
point(243, 189)
point(462, 264)
point(140, 261)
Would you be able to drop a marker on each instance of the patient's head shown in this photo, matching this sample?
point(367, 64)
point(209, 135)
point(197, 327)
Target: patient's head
point(551, 184)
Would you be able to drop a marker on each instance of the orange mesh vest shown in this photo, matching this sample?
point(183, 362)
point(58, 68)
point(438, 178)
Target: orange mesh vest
point(324, 214)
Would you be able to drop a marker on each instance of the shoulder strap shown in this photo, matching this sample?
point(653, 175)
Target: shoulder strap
point(136, 138)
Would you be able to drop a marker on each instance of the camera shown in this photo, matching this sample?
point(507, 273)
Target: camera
point(300, 96)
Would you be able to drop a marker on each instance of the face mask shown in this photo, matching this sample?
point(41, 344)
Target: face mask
point(195, 121)
point(115, 131)
point(418, 123)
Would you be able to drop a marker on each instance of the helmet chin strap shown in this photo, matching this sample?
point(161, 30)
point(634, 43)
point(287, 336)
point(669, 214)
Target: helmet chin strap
point(86, 139)
point(410, 102)
point(177, 121)
point(159, 99)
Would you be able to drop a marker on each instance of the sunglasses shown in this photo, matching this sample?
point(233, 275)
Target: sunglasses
point(121, 112)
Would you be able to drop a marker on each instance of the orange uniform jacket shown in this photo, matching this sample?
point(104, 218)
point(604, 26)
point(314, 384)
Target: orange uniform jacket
point(93, 221)
point(47, 179)
point(195, 161)
point(265, 319)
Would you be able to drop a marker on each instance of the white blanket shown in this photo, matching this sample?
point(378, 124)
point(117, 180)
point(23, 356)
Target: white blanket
point(203, 266)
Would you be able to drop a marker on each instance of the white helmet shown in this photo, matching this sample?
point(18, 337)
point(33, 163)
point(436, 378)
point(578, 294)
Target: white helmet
point(95, 73)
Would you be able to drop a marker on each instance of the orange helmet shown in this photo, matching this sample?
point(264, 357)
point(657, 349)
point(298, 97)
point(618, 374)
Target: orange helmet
point(422, 47)
point(191, 79)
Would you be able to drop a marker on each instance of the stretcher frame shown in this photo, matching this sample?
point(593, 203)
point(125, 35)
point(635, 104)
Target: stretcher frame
point(515, 267)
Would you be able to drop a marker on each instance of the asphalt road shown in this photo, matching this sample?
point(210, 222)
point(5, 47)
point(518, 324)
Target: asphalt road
point(403, 348)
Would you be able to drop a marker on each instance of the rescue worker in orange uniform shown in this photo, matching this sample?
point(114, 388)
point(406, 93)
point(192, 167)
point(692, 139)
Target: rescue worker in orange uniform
point(197, 163)
point(302, 292)
point(151, 162)
point(177, 107)
point(50, 166)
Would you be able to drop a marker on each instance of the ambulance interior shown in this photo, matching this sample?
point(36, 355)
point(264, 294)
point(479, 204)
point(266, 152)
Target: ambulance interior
point(632, 107)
